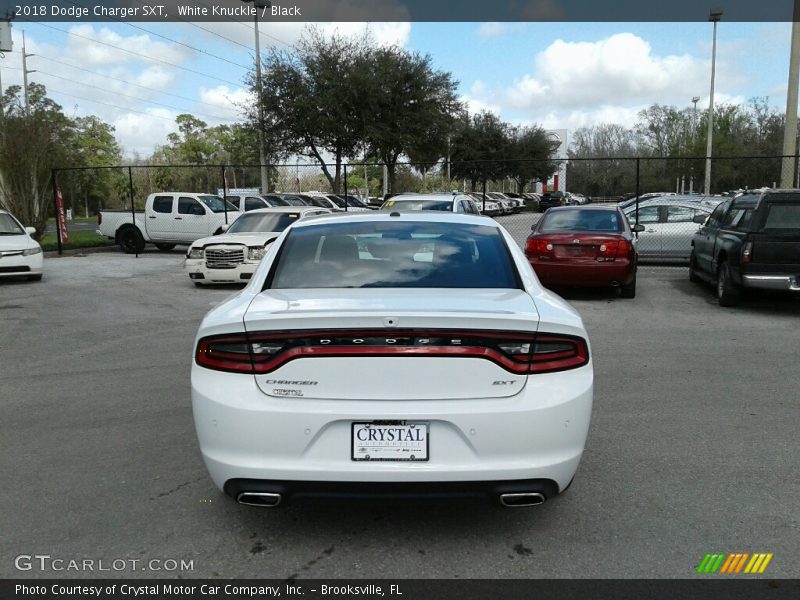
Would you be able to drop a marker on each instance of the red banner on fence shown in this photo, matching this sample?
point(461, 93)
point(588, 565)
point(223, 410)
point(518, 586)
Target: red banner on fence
point(61, 217)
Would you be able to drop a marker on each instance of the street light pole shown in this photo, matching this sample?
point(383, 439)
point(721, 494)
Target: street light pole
point(790, 130)
point(714, 17)
point(695, 100)
point(260, 5)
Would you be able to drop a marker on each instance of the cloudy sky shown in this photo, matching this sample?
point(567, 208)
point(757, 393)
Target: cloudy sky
point(139, 76)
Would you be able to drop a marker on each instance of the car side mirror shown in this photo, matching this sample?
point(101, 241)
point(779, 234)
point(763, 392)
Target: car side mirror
point(30, 230)
point(700, 219)
point(637, 228)
point(224, 227)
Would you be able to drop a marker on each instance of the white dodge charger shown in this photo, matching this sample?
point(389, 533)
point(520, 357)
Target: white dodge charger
point(392, 354)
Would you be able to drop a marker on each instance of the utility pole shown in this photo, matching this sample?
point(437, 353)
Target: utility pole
point(714, 17)
point(790, 131)
point(25, 72)
point(260, 5)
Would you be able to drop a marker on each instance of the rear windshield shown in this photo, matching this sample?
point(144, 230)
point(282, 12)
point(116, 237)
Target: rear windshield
point(394, 255)
point(260, 222)
point(442, 205)
point(783, 216)
point(581, 220)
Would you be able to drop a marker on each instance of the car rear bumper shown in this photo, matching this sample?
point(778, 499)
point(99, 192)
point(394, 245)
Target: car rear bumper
point(291, 490)
point(772, 281)
point(538, 433)
point(619, 272)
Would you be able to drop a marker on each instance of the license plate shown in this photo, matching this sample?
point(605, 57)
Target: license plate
point(576, 250)
point(390, 440)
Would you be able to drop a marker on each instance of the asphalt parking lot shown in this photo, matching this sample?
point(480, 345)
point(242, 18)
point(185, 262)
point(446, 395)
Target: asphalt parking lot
point(693, 446)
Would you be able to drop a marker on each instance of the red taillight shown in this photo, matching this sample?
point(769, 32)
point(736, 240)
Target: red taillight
point(225, 353)
point(747, 253)
point(553, 353)
point(538, 247)
point(261, 353)
point(613, 249)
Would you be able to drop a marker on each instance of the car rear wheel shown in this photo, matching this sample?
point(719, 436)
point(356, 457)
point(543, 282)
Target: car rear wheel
point(629, 291)
point(693, 276)
point(131, 241)
point(728, 293)
point(165, 247)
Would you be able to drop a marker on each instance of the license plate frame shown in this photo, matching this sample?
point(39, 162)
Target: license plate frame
point(360, 451)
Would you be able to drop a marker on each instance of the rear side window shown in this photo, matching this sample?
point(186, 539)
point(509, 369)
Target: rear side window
point(162, 204)
point(189, 206)
point(251, 203)
point(680, 214)
point(716, 217)
point(782, 216)
point(394, 255)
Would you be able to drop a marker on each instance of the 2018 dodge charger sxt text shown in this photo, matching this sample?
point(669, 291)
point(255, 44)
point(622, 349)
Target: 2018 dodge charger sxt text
point(392, 354)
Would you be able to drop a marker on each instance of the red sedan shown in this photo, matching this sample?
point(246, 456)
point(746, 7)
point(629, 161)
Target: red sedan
point(586, 246)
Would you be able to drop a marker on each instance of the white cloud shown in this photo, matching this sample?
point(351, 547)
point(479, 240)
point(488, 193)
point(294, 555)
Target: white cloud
point(285, 34)
point(115, 48)
point(140, 133)
point(229, 103)
point(493, 30)
point(620, 69)
point(573, 84)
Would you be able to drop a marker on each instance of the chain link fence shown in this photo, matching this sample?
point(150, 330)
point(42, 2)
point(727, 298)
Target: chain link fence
point(671, 191)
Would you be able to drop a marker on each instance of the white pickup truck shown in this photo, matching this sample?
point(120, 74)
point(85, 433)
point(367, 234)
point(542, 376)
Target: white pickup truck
point(168, 219)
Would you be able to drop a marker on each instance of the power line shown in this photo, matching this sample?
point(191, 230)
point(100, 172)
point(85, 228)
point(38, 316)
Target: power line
point(137, 98)
point(247, 26)
point(144, 87)
point(138, 54)
point(111, 105)
point(203, 28)
point(185, 45)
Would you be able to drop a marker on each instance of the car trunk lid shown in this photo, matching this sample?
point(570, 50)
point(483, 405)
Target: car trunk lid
point(390, 344)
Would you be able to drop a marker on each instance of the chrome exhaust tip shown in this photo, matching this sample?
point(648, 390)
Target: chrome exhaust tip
point(262, 499)
point(522, 499)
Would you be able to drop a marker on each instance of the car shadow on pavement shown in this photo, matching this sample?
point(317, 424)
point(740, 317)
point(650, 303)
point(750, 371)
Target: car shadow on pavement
point(753, 301)
point(586, 293)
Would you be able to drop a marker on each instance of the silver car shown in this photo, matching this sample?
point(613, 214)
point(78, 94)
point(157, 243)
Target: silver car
point(669, 224)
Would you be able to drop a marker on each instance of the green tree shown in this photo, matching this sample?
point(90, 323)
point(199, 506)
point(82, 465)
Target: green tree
point(313, 99)
point(32, 143)
point(408, 100)
point(530, 156)
point(480, 145)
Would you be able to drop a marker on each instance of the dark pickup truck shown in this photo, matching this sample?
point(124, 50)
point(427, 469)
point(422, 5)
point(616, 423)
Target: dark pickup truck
point(749, 242)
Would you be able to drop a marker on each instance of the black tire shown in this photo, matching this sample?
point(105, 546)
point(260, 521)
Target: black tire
point(35, 277)
point(131, 241)
point(165, 247)
point(728, 293)
point(628, 291)
point(197, 284)
point(693, 276)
